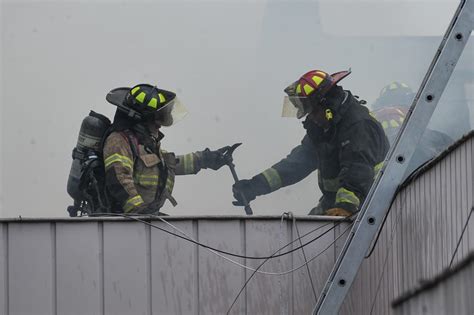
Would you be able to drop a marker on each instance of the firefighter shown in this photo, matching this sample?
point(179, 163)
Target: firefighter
point(390, 109)
point(139, 174)
point(343, 142)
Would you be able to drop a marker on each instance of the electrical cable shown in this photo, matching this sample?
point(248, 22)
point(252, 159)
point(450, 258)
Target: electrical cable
point(280, 264)
point(290, 215)
point(222, 251)
point(320, 253)
point(281, 273)
point(460, 238)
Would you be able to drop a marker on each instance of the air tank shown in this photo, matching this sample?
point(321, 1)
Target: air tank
point(88, 145)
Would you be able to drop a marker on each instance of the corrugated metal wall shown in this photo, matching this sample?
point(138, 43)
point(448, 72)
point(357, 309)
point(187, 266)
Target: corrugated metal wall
point(451, 293)
point(112, 266)
point(420, 235)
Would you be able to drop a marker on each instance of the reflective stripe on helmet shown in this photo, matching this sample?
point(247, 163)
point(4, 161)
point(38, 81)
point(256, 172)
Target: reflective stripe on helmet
point(117, 158)
point(308, 89)
point(141, 97)
point(317, 79)
point(273, 178)
point(153, 103)
point(393, 86)
point(394, 123)
point(347, 196)
point(162, 98)
point(135, 90)
point(132, 203)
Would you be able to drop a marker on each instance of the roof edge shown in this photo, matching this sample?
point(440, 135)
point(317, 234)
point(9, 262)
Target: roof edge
point(428, 284)
point(431, 163)
point(321, 218)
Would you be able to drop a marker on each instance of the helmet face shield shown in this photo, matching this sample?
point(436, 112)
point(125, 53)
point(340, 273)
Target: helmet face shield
point(296, 106)
point(170, 113)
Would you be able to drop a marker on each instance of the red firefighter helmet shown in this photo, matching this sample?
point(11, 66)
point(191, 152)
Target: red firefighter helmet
point(309, 90)
point(391, 118)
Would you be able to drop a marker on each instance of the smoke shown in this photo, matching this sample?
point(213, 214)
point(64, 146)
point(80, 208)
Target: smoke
point(228, 61)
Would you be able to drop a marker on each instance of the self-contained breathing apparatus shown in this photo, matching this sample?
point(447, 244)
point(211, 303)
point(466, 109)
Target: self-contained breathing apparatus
point(86, 182)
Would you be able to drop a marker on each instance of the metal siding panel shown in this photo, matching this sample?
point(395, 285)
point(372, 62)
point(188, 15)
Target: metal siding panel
point(219, 280)
point(78, 268)
point(464, 208)
point(468, 200)
point(30, 262)
point(436, 197)
point(352, 302)
point(399, 244)
point(453, 205)
point(174, 270)
point(126, 274)
point(470, 183)
point(4, 268)
point(319, 268)
point(459, 211)
point(268, 295)
point(430, 223)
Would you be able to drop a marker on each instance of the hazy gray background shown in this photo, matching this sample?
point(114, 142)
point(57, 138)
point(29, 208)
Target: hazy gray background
point(228, 61)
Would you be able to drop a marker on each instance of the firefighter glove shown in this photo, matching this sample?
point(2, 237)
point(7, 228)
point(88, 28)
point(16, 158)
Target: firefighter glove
point(249, 189)
point(338, 212)
point(243, 189)
point(213, 159)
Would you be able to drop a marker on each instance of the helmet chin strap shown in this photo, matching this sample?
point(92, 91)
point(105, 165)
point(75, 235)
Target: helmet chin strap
point(153, 127)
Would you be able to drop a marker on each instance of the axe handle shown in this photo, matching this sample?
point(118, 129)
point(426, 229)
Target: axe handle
point(247, 208)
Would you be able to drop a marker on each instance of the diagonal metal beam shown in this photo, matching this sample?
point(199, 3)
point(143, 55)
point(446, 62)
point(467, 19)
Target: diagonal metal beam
point(385, 186)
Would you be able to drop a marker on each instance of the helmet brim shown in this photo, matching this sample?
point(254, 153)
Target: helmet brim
point(338, 76)
point(117, 96)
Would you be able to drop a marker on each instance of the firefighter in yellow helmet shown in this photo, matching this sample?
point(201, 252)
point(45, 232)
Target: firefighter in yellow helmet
point(390, 109)
point(139, 174)
point(343, 142)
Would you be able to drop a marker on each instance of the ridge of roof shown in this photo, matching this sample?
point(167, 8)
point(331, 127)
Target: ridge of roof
point(431, 163)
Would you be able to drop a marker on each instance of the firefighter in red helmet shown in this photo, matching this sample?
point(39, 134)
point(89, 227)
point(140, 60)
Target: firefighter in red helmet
point(343, 142)
point(390, 109)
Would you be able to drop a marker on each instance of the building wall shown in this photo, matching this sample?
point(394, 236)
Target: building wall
point(111, 266)
point(115, 266)
point(420, 234)
point(448, 293)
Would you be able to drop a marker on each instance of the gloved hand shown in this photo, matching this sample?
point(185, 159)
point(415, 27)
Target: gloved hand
point(213, 159)
point(250, 188)
point(338, 212)
point(246, 188)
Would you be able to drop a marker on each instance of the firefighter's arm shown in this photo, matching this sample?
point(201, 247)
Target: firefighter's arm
point(301, 161)
point(359, 153)
point(187, 164)
point(118, 160)
point(192, 163)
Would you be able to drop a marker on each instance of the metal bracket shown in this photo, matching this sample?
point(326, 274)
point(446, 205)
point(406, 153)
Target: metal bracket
point(385, 186)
